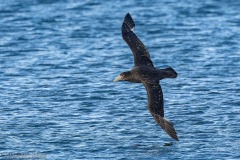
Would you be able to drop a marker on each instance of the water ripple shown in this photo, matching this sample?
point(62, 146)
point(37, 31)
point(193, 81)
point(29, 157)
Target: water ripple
point(58, 60)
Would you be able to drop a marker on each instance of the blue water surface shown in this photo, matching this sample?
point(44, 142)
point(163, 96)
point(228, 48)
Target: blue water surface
point(58, 59)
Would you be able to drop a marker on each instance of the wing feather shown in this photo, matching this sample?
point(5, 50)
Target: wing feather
point(155, 107)
point(140, 52)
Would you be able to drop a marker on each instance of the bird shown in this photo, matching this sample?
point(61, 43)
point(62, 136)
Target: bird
point(144, 72)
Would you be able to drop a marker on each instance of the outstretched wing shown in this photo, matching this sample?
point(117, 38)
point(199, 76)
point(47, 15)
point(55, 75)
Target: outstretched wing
point(140, 52)
point(155, 107)
point(155, 98)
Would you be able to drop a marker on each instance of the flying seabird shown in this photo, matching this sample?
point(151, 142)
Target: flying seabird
point(145, 72)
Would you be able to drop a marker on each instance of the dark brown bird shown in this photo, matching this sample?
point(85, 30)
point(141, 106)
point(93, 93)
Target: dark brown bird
point(145, 72)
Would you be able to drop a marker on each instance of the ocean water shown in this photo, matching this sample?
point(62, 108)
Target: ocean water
point(58, 59)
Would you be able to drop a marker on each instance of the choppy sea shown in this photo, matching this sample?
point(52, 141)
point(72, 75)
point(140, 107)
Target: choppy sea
point(58, 59)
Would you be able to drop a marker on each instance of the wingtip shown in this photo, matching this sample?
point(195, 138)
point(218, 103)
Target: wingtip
point(167, 126)
point(129, 22)
point(170, 129)
point(128, 14)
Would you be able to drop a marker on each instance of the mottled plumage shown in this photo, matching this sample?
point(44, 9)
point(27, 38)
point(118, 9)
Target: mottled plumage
point(145, 72)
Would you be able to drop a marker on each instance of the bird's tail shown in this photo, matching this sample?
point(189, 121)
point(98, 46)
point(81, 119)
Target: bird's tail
point(166, 73)
point(167, 126)
point(128, 23)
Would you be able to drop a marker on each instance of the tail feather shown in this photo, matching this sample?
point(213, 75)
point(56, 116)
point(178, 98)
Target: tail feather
point(167, 126)
point(167, 73)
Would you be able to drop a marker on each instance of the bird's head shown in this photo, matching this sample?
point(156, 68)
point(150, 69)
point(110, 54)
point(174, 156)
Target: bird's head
point(124, 76)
